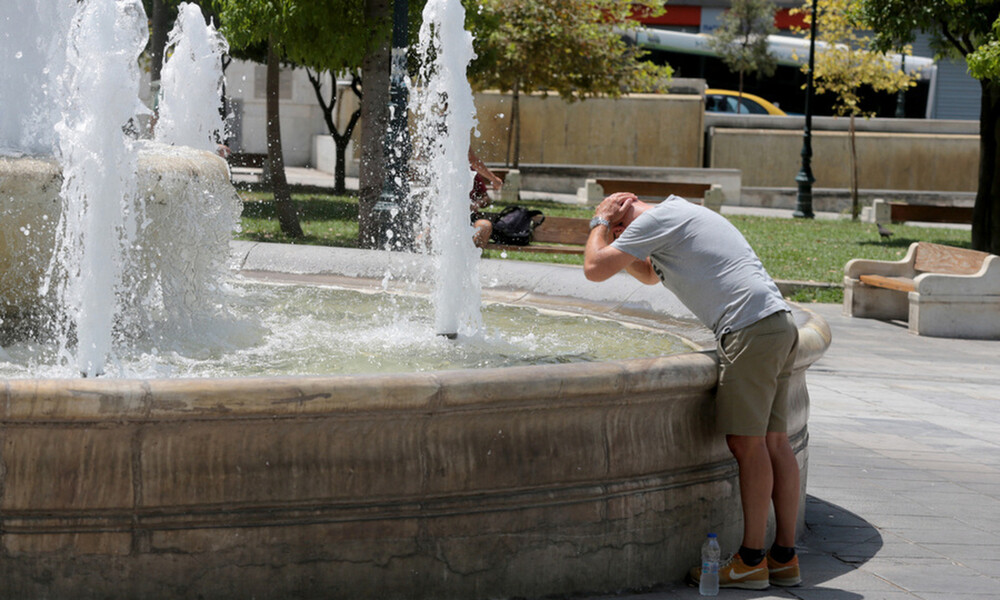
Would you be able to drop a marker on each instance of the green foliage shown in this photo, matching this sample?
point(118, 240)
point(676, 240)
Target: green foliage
point(741, 38)
point(570, 47)
point(846, 62)
point(957, 26)
point(326, 220)
point(326, 35)
point(984, 62)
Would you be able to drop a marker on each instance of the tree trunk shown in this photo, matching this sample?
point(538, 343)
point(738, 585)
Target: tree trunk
point(157, 40)
point(986, 213)
point(855, 204)
point(287, 217)
point(739, 98)
point(157, 44)
point(340, 140)
point(515, 109)
point(375, 72)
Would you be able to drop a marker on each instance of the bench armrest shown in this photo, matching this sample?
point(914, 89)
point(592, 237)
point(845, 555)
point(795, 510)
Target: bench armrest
point(891, 268)
point(985, 282)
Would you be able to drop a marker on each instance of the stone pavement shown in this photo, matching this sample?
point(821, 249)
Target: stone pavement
point(904, 470)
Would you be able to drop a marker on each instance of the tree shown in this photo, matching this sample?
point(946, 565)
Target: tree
point(741, 39)
point(340, 139)
point(965, 28)
point(249, 23)
point(844, 64)
point(574, 48)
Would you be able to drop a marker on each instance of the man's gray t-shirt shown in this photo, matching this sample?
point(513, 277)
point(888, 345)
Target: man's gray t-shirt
point(706, 262)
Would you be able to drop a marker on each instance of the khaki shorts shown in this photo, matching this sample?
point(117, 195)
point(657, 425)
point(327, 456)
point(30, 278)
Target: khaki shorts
point(754, 366)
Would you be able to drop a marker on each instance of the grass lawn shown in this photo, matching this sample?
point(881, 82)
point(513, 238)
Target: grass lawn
point(794, 249)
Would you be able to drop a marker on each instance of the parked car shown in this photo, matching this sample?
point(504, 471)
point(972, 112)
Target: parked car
point(727, 101)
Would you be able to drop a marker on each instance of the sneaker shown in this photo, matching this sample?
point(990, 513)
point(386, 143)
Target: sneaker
point(784, 574)
point(734, 573)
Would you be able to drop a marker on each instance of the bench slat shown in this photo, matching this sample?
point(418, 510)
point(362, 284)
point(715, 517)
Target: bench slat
point(649, 187)
point(562, 230)
point(900, 212)
point(937, 258)
point(533, 247)
point(902, 284)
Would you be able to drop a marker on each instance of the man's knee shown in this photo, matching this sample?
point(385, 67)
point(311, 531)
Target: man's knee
point(746, 445)
point(777, 442)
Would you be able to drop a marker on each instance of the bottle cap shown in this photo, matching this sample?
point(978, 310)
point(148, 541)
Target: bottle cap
point(712, 535)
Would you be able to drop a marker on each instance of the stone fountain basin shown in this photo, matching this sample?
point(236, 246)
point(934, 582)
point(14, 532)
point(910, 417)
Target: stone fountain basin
point(185, 192)
point(490, 483)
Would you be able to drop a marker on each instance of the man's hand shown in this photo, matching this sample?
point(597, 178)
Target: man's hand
point(615, 207)
point(600, 260)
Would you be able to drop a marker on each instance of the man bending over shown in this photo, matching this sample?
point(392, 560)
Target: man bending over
point(705, 261)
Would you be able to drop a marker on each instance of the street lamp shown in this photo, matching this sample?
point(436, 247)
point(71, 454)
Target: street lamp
point(805, 179)
point(392, 213)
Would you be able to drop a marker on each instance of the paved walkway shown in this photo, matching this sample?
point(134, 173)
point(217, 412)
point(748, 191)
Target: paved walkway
point(904, 469)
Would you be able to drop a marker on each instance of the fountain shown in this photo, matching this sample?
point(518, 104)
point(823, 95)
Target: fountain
point(468, 483)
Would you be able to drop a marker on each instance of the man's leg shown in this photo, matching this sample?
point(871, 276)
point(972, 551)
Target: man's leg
point(756, 486)
point(785, 493)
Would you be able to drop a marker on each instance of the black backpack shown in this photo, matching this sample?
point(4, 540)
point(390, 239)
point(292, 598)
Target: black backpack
point(513, 226)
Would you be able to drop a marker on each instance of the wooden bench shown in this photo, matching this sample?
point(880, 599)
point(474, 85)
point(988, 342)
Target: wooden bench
point(709, 194)
point(556, 235)
point(940, 290)
point(900, 212)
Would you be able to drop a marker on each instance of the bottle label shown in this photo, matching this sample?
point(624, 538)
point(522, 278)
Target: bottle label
point(709, 567)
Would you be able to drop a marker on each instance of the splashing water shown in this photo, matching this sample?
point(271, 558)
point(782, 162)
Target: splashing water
point(100, 209)
point(32, 52)
point(192, 83)
point(445, 111)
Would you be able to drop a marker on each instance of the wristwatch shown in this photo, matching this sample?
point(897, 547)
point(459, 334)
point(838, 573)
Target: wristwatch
point(599, 221)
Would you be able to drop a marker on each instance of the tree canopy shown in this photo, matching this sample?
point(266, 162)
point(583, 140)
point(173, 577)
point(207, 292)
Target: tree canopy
point(324, 35)
point(741, 38)
point(575, 48)
point(964, 28)
point(571, 47)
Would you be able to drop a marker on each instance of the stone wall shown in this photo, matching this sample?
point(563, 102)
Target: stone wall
point(637, 130)
point(886, 160)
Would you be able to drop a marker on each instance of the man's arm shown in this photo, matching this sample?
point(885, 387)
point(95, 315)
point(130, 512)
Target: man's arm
point(643, 271)
point(600, 259)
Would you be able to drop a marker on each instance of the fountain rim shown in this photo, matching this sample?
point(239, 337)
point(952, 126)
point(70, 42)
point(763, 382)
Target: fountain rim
point(275, 397)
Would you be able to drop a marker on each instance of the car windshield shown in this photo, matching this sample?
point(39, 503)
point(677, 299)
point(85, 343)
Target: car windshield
point(728, 104)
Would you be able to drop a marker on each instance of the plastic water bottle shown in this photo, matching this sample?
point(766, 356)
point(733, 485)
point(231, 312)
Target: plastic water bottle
point(710, 556)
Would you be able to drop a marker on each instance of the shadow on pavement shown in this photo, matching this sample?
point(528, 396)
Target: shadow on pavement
point(836, 543)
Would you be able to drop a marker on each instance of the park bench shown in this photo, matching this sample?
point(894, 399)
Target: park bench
point(555, 235)
point(900, 212)
point(940, 290)
point(708, 194)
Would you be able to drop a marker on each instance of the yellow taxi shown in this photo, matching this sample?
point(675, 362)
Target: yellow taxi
point(729, 101)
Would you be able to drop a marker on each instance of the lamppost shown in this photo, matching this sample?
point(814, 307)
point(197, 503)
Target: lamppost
point(805, 179)
point(392, 212)
point(901, 94)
